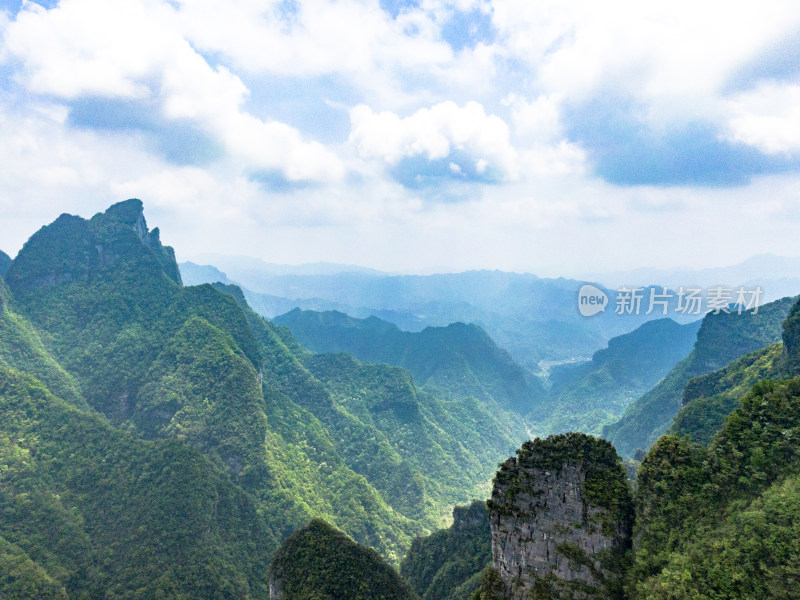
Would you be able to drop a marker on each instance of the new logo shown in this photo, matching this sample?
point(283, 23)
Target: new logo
point(591, 300)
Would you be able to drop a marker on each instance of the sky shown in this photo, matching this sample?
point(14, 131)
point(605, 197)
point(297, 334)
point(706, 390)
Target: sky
point(552, 137)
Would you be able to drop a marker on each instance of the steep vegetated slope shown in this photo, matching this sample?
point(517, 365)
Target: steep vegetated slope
point(421, 450)
point(457, 360)
point(722, 521)
point(5, 261)
point(90, 511)
point(447, 565)
point(100, 316)
point(21, 348)
point(721, 339)
point(319, 562)
point(586, 396)
point(710, 521)
point(167, 361)
point(709, 399)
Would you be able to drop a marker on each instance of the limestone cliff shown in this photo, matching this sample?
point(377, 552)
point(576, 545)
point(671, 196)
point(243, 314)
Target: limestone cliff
point(560, 516)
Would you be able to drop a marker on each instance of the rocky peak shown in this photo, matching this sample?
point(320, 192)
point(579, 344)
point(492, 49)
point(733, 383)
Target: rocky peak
point(561, 517)
point(73, 250)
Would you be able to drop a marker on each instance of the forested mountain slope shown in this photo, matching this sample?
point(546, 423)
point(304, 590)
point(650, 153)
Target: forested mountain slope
point(709, 399)
point(585, 396)
point(95, 309)
point(722, 521)
point(90, 511)
point(319, 562)
point(447, 564)
point(5, 261)
point(408, 442)
point(721, 339)
point(458, 360)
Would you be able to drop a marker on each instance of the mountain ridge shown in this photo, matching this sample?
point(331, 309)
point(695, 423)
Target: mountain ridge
point(460, 359)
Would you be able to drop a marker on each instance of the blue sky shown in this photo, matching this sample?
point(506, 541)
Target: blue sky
point(552, 137)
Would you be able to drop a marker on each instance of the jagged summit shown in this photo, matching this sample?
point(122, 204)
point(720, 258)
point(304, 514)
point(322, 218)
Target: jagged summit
point(128, 212)
point(73, 249)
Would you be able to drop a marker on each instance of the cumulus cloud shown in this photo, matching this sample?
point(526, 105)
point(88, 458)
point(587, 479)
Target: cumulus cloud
point(133, 49)
point(767, 118)
point(461, 134)
point(641, 87)
point(370, 117)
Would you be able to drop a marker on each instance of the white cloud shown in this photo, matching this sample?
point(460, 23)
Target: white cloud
point(663, 47)
point(318, 37)
point(249, 75)
point(435, 133)
point(133, 49)
point(539, 118)
point(91, 47)
point(767, 118)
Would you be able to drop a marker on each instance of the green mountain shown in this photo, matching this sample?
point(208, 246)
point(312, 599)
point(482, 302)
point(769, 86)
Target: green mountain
point(5, 262)
point(90, 511)
point(711, 521)
point(447, 565)
point(533, 318)
point(722, 338)
point(95, 309)
point(457, 360)
point(586, 396)
point(319, 562)
point(422, 451)
point(22, 348)
point(721, 522)
point(709, 399)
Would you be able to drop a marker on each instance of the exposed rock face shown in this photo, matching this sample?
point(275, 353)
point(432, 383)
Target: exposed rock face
point(561, 516)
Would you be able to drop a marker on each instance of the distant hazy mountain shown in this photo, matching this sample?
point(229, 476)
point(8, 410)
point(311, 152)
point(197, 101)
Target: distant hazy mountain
point(247, 269)
point(533, 318)
point(193, 274)
point(779, 276)
point(457, 360)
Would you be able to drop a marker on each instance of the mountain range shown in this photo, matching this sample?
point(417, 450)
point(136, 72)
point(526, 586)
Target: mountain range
point(460, 359)
point(125, 390)
point(164, 440)
point(534, 319)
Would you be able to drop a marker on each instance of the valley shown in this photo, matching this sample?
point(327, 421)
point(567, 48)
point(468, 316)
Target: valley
point(159, 439)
